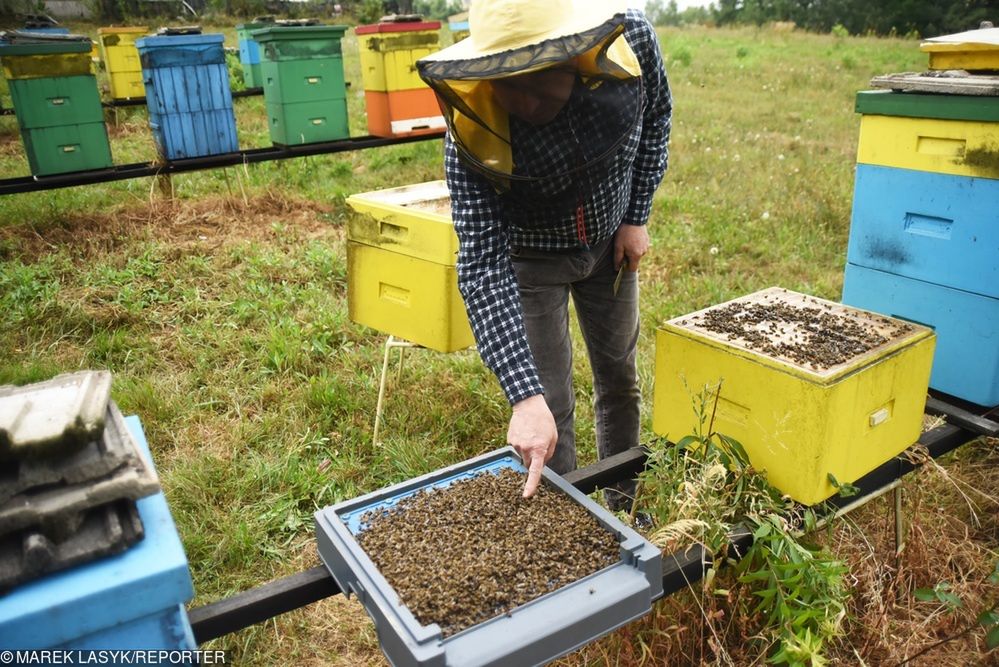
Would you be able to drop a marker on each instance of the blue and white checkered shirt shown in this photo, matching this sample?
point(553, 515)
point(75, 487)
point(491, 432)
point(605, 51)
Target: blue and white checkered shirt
point(487, 226)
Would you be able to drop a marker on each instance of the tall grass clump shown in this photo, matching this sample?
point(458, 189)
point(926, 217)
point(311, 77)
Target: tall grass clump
point(785, 594)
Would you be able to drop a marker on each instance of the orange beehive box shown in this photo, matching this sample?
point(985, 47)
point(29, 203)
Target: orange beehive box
point(400, 113)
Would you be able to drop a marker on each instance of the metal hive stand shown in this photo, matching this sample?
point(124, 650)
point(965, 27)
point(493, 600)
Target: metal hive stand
point(402, 345)
point(680, 569)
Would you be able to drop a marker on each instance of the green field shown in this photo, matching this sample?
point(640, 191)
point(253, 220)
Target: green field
point(222, 314)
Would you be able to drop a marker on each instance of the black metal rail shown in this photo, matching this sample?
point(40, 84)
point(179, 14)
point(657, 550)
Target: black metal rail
point(141, 101)
point(680, 569)
point(23, 184)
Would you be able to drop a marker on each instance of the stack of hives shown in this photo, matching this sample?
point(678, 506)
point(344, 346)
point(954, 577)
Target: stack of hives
point(924, 238)
point(398, 102)
point(401, 276)
point(121, 61)
point(187, 93)
point(71, 475)
point(57, 102)
point(305, 92)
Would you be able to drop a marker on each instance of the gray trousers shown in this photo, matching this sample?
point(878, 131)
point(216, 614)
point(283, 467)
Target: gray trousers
point(609, 325)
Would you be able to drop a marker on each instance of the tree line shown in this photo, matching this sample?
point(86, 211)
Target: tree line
point(923, 18)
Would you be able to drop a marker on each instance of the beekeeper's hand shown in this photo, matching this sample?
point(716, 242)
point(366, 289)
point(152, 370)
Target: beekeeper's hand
point(533, 434)
point(631, 242)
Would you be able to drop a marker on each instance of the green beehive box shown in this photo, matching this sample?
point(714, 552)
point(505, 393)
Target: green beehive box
point(66, 148)
point(284, 42)
point(308, 122)
point(58, 106)
point(68, 100)
point(303, 81)
point(291, 81)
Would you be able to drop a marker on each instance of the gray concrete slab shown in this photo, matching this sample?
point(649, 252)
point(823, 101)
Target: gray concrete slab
point(51, 505)
point(53, 417)
point(30, 554)
point(97, 459)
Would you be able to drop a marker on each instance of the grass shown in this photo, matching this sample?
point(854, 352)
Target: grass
point(222, 315)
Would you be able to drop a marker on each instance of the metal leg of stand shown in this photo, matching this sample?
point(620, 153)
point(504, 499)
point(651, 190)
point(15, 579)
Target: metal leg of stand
point(899, 541)
point(389, 344)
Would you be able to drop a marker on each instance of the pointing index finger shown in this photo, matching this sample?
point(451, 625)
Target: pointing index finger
point(533, 476)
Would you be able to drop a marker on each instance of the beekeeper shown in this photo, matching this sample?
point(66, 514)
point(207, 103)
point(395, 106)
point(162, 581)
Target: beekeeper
point(558, 116)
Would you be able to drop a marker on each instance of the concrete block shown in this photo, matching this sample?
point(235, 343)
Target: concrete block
point(98, 458)
point(30, 554)
point(55, 506)
point(53, 417)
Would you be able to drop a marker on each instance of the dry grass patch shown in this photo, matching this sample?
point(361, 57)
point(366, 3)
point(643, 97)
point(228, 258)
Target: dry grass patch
point(207, 222)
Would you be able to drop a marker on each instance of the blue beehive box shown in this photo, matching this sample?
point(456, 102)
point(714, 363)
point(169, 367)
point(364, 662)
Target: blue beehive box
point(249, 51)
point(48, 30)
point(188, 95)
point(134, 600)
point(937, 228)
point(924, 235)
point(966, 360)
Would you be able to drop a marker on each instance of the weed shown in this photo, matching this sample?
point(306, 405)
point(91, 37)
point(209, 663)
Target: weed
point(682, 56)
point(704, 487)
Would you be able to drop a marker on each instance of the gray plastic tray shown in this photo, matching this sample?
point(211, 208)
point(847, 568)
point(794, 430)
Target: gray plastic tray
point(531, 634)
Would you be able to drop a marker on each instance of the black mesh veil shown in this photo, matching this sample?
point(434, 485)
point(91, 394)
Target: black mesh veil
point(551, 161)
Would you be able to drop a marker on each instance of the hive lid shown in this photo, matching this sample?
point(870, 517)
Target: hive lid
point(112, 30)
point(948, 82)
point(24, 43)
point(813, 338)
point(430, 200)
point(170, 41)
point(279, 32)
point(984, 39)
point(409, 23)
point(180, 30)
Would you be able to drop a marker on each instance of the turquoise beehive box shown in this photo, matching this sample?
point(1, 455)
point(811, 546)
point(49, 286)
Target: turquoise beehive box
point(188, 95)
point(132, 600)
point(924, 234)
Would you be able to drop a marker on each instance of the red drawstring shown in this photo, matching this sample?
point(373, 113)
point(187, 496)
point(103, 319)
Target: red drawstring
point(581, 223)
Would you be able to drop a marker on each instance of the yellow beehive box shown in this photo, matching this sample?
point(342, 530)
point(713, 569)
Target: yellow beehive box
point(401, 277)
point(974, 50)
point(809, 387)
point(126, 85)
point(122, 58)
point(121, 61)
point(958, 147)
point(388, 59)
